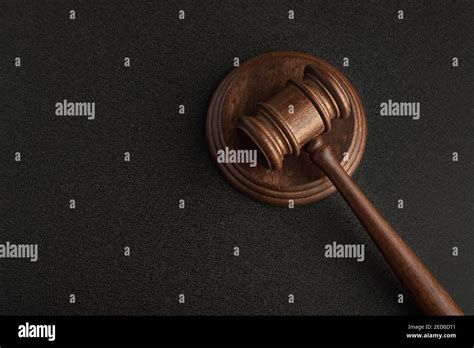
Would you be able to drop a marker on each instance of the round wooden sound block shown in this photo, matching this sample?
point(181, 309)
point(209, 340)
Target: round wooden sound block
point(256, 80)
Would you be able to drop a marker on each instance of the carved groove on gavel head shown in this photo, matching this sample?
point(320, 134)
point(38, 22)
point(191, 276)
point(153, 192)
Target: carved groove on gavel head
point(317, 100)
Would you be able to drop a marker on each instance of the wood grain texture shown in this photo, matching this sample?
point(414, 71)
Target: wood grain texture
point(258, 80)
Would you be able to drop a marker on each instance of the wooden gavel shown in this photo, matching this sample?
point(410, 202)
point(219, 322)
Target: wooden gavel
point(319, 99)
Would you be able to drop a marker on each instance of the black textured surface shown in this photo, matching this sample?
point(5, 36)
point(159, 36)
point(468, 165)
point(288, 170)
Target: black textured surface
point(136, 204)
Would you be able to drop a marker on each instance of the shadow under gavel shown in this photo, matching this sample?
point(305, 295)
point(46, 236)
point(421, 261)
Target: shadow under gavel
point(321, 98)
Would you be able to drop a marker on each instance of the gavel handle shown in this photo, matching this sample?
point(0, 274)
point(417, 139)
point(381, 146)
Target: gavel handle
point(420, 284)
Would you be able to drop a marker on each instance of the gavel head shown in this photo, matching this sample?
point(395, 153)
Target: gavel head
point(297, 114)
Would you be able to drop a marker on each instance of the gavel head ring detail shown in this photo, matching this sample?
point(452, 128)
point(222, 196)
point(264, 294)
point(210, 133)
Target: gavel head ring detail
point(283, 102)
point(316, 100)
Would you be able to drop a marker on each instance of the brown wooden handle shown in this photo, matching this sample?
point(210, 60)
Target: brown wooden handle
point(421, 285)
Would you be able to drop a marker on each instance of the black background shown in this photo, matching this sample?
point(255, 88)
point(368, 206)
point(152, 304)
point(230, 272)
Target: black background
point(135, 204)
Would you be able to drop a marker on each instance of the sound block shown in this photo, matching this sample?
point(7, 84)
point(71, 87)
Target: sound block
point(256, 80)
